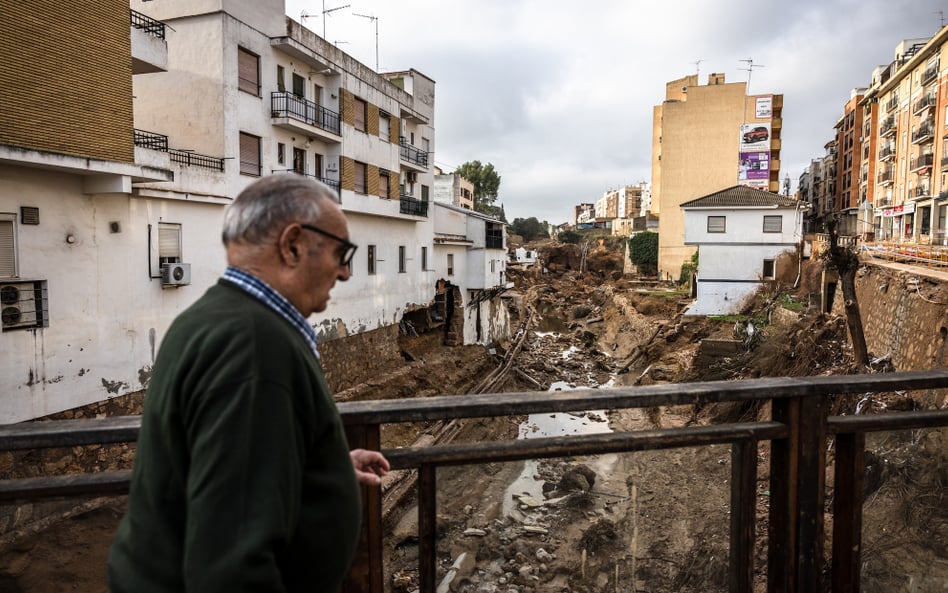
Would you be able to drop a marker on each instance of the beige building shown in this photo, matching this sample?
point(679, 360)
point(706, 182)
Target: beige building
point(706, 138)
point(451, 188)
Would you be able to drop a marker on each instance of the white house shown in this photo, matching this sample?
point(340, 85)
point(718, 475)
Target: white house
point(740, 232)
point(523, 257)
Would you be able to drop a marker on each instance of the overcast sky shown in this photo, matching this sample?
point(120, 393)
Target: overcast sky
point(559, 95)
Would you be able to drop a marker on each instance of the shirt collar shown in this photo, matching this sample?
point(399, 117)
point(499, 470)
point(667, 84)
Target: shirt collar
point(263, 292)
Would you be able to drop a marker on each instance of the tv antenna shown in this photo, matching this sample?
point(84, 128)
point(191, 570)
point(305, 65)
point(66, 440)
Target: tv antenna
point(941, 16)
point(750, 70)
point(697, 64)
point(376, 20)
point(326, 12)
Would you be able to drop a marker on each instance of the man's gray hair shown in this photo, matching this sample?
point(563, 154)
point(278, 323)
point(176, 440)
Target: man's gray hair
point(269, 204)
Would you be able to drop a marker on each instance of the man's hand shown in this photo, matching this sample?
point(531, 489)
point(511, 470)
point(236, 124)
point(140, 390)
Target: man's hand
point(369, 466)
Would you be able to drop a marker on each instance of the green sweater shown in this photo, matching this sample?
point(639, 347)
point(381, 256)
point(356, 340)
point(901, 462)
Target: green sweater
point(242, 479)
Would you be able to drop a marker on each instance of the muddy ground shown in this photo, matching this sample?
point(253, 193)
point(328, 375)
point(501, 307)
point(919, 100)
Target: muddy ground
point(648, 521)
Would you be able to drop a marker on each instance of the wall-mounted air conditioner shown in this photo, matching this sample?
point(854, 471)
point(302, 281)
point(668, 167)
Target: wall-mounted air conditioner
point(412, 176)
point(176, 274)
point(23, 304)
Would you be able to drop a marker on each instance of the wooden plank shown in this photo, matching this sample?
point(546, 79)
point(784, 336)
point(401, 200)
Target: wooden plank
point(887, 421)
point(847, 511)
point(97, 484)
point(68, 433)
point(810, 493)
point(782, 556)
point(365, 574)
point(743, 515)
point(593, 444)
point(509, 404)
point(427, 529)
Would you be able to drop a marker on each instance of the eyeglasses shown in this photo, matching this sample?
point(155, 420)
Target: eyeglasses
point(350, 248)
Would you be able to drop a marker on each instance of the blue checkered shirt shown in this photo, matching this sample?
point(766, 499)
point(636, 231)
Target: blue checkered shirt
point(271, 298)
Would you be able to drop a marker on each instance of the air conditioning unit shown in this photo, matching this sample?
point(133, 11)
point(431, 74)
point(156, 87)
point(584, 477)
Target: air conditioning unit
point(175, 274)
point(23, 305)
point(412, 176)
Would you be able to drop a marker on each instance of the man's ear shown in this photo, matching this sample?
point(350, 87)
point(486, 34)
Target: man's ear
point(289, 246)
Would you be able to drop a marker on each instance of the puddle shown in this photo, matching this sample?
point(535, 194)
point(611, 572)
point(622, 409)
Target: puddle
point(549, 321)
point(556, 425)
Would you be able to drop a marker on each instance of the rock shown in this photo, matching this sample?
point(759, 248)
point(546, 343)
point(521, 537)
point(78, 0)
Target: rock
point(534, 529)
point(529, 501)
point(474, 532)
point(543, 555)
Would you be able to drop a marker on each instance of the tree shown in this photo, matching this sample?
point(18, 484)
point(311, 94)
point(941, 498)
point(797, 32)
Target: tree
point(846, 263)
point(643, 251)
point(486, 185)
point(529, 228)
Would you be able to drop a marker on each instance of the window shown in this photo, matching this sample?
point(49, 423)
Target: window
point(248, 72)
point(450, 264)
point(717, 224)
point(361, 170)
point(371, 256)
point(299, 161)
point(249, 155)
point(318, 165)
point(384, 181)
point(281, 76)
point(299, 88)
point(7, 246)
point(424, 257)
point(401, 259)
point(773, 223)
point(360, 108)
point(169, 243)
point(385, 124)
point(281, 153)
point(493, 266)
point(768, 269)
point(424, 193)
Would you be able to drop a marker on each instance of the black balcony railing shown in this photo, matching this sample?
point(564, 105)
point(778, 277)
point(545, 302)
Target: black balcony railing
point(887, 152)
point(926, 101)
point(410, 205)
point(332, 183)
point(922, 161)
point(929, 74)
point(887, 127)
point(193, 159)
point(922, 192)
point(147, 24)
point(284, 104)
point(924, 134)
point(411, 154)
point(151, 140)
point(886, 176)
point(892, 104)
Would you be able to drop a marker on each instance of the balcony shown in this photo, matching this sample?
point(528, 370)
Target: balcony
point(188, 158)
point(922, 191)
point(332, 183)
point(944, 163)
point(892, 104)
point(928, 100)
point(150, 140)
point(301, 115)
point(929, 74)
point(924, 134)
point(887, 152)
point(413, 206)
point(411, 154)
point(888, 127)
point(149, 48)
point(886, 177)
point(921, 162)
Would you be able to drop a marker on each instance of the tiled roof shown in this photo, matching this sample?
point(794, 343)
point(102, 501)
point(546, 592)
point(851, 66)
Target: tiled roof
point(741, 196)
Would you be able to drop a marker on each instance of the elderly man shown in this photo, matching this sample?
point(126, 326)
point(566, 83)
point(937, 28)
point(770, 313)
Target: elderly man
point(243, 480)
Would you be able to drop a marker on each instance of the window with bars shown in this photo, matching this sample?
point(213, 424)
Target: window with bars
point(248, 72)
point(360, 117)
point(717, 224)
point(773, 223)
point(249, 154)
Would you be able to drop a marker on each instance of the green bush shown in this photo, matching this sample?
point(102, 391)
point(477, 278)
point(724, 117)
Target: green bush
point(643, 251)
point(688, 269)
point(569, 237)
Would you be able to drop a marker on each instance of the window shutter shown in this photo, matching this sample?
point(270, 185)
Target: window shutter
point(248, 73)
point(249, 154)
point(7, 253)
point(169, 240)
point(359, 114)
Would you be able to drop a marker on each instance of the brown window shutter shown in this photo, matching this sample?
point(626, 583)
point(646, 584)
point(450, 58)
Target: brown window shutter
point(248, 72)
point(249, 155)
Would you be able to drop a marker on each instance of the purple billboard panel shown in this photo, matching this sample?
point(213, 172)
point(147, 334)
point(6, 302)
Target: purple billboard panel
point(754, 169)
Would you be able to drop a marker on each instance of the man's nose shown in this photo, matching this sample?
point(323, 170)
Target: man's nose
point(344, 273)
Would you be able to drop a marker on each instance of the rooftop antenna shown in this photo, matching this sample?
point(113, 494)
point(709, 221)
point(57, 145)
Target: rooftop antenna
point(750, 70)
point(697, 64)
point(941, 16)
point(376, 20)
point(326, 13)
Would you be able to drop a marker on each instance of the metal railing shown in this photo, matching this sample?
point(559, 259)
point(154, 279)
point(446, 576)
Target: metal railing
point(410, 205)
point(923, 134)
point(924, 102)
point(887, 152)
point(922, 161)
point(332, 183)
point(285, 104)
point(411, 154)
point(193, 159)
point(887, 127)
point(798, 431)
point(150, 140)
point(147, 24)
point(892, 104)
point(929, 74)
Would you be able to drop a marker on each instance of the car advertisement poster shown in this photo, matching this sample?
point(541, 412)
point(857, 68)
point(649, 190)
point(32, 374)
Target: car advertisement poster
point(755, 137)
point(764, 108)
point(754, 169)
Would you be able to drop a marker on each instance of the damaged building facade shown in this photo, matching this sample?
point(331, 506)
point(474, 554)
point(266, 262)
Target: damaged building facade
point(111, 202)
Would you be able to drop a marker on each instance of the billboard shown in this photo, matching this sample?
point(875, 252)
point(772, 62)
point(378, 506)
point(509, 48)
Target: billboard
point(755, 137)
point(754, 169)
point(764, 108)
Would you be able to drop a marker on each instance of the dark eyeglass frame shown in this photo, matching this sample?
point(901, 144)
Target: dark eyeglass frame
point(351, 247)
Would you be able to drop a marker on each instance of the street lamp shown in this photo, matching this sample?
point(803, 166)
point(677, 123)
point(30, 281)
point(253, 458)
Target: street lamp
point(376, 20)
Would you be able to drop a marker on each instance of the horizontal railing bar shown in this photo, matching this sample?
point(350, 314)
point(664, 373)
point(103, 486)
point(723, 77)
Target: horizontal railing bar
point(519, 403)
point(590, 444)
point(97, 484)
point(68, 433)
point(886, 422)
